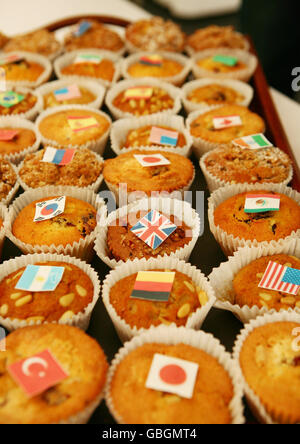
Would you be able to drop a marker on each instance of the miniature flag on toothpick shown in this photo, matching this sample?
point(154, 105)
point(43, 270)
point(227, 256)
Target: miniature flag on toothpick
point(152, 60)
point(142, 92)
point(281, 278)
point(259, 203)
point(82, 28)
point(153, 285)
point(254, 142)
point(88, 58)
point(226, 122)
point(162, 136)
point(67, 93)
point(172, 375)
point(10, 98)
point(49, 209)
point(58, 157)
point(8, 134)
point(151, 160)
point(37, 373)
point(40, 278)
point(153, 229)
point(225, 60)
point(80, 123)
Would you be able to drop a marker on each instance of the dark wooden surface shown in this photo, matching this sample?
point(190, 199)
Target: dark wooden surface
point(206, 254)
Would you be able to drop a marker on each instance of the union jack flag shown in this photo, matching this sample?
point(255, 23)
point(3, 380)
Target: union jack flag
point(281, 278)
point(153, 229)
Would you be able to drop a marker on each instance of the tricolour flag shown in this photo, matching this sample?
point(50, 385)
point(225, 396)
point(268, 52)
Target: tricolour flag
point(58, 157)
point(151, 160)
point(254, 142)
point(172, 375)
point(153, 285)
point(281, 278)
point(152, 60)
point(153, 229)
point(80, 123)
point(162, 136)
point(259, 203)
point(49, 208)
point(37, 373)
point(88, 58)
point(10, 98)
point(225, 60)
point(40, 278)
point(226, 121)
point(67, 93)
point(141, 92)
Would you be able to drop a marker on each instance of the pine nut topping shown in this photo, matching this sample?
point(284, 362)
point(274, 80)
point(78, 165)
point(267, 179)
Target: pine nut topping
point(189, 286)
point(67, 315)
point(4, 310)
point(67, 299)
point(14, 296)
point(183, 311)
point(81, 291)
point(23, 301)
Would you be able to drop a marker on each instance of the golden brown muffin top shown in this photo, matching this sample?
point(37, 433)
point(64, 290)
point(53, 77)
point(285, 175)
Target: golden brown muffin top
point(28, 102)
point(141, 137)
point(41, 42)
point(24, 139)
point(213, 389)
point(216, 37)
point(168, 68)
point(8, 178)
point(79, 355)
point(215, 94)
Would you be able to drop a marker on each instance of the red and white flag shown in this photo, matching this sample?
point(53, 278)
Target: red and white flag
point(226, 122)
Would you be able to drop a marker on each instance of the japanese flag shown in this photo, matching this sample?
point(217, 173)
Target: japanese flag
point(226, 122)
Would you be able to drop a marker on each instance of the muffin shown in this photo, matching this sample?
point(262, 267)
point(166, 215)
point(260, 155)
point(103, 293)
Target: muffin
point(155, 34)
point(104, 70)
point(141, 137)
point(270, 366)
point(247, 290)
point(125, 168)
point(24, 70)
point(212, 394)
point(41, 42)
point(233, 164)
point(76, 222)
point(58, 126)
point(215, 66)
point(26, 101)
point(124, 245)
point(72, 295)
point(83, 171)
point(215, 94)
point(167, 68)
point(23, 138)
point(216, 37)
point(86, 96)
point(97, 36)
point(8, 179)
point(74, 398)
point(202, 126)
point(231, 217)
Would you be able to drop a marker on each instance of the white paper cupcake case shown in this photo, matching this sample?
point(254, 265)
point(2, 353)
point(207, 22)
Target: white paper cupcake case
point(3, 216)
point(31, 113)
point(85, 414)
point(9, 197)
point(95, 145)
point(124, 330)
point(228, 242)
point(173, 336)
point(94, 87)
point(241, 87)
point(191, 52)
point(242, 74)
point(94, 186)
point(173, 91)
point(80, 320)
point(35, 58)
point(69, 57)
point(176, 80)
point(115, 188)
point(167, 206)
point(82, 249)
point(214, 183)
point(253, 400)
point(202, 146)
point(120, 129)
point(18, 122)
point(221, 278)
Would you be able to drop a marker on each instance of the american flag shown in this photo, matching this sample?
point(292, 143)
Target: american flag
point(281, 278)
point(153, 229)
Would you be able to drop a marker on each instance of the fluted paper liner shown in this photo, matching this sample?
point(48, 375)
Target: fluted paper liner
point(94, 186)
point(202, 146)
point(32, 112)
point(97, 145)
point(241, 74)
point(82, 249)
point(18, 122)
point(176, 80)
point(195, 321)
point(69, 58)
point(221, 278)
point(241, 87)
point(35, 58)
point(228, 242)
point(181, 209)
point(93, 86)
point(256, 405)
point(9, 197)
point(3, 216)
point(191, 51)
point(214, 183)
point(181, 335)
point(80, 320)
point(173, 91)
point(120, 129)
